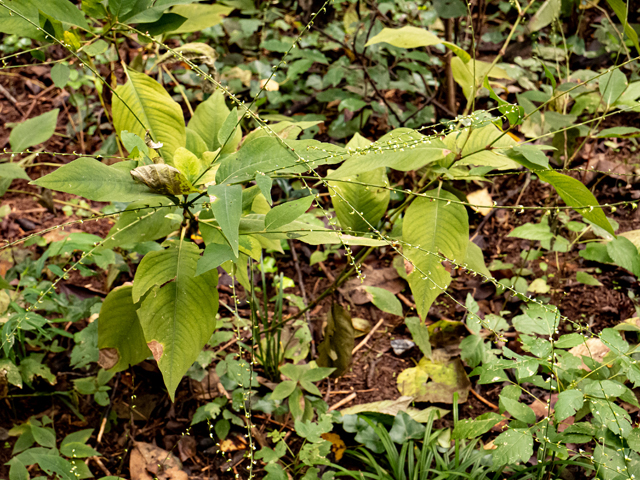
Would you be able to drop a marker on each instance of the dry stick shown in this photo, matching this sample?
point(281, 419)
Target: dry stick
point(342, 402)
point(483, 400)
point(100, 465)
point(369, 335)
point(451, 86)
point(304, 296)
point(11, 99)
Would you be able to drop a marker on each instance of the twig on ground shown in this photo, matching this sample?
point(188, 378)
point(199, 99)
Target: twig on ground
point(11, 99)
point(369, 335)
point(484, 400)
point(342, 402)
point(327, 272)
point(406, 301)
point(100, 465)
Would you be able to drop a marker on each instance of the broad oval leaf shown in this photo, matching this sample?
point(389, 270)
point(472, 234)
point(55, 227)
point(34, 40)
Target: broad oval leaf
point(34, 131)
point(287, 212)
point(226, 205)
point(405, 37)
point(209, 118)
point(149, 106)
point(120, 338)
point(89, 178)
point(177, 317)
point(339, 339)
point(370, 201)
point(429, 228)
point(577, 196)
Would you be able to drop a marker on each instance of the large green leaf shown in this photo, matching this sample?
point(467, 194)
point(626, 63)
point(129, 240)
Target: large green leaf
point(287, 212)
point(208, 119)
point(402, 149)
point(547, 13)
point(432, 227)
point(472, 147)
point(268, 154)
point(12, 171)
point(569, 402)
point(149, 107)
point(178, 315)
point(370, 201)
point(14, 24)
point(471, 428)
point(226, 205)
point(89, 178)
point(405, 37)
point(576, 195)
point(120, 338)
point(141, 224)
point(200, 17)
point(513, 446)
point(34, 131)
point(620, 9)
point(63, 11)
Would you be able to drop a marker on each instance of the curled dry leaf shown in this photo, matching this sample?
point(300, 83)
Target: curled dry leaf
point(149, 462)
point(480, 197)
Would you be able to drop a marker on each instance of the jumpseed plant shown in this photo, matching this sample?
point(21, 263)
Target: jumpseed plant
point(204, 179)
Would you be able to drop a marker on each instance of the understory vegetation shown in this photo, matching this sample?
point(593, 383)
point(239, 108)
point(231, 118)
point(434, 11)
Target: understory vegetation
point(389, 240)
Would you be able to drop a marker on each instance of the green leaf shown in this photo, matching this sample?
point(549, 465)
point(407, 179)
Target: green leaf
point(474, 427)
point(513, 446)
point(420, 334)
point(120, 337)
point(634, 440)
point(12, 171)
point(432, 227)
point(60, 75)
point(536, 318)
point(405, 428)
point(472, 350)
point(620, 9)
point(384, 300)
point(402, 149)
point(45, 437)
point(619, 132)
point(177, 317)
point(163, 179)
point(198, 17)
point(11, 373)
point(226, 205)
point(475, 260)
point(138, 224)
point(612, 339)
point(518, 410)
point(187, 163)
point(209, 117)
point(65, 12)
point(624, 254)
point(93, 180)
point(215, 254)
point(472, 148)
point(370, 201)
point(533, 154)
point(405, 37)
point(287, 212)
point(585, 278)
point(339, 339)
point(33, 131)
point(533, 231)
point(14, 24)
point(141, 104)
point(54, 464)
point(227, 129)
point(569, 402)
point(609, 415)
point(209, 411)
point(547, 13)
point(450, 8)
point(33, 366)
point(576, 195)
point(74, 445)
point(17, 471)
point(611, 85)
point(264, 183)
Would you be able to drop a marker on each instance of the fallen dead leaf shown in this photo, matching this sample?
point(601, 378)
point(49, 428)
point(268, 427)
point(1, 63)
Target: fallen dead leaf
point(480, 197)
point(187, 447)
point(593, 348)
point(269, 85)
point(149, 462)
point(233, 444)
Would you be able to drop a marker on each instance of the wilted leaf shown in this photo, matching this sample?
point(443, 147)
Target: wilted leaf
point(163, 179)
point(335, 350)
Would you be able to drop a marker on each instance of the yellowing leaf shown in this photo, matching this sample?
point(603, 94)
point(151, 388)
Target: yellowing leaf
point(480, 201)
